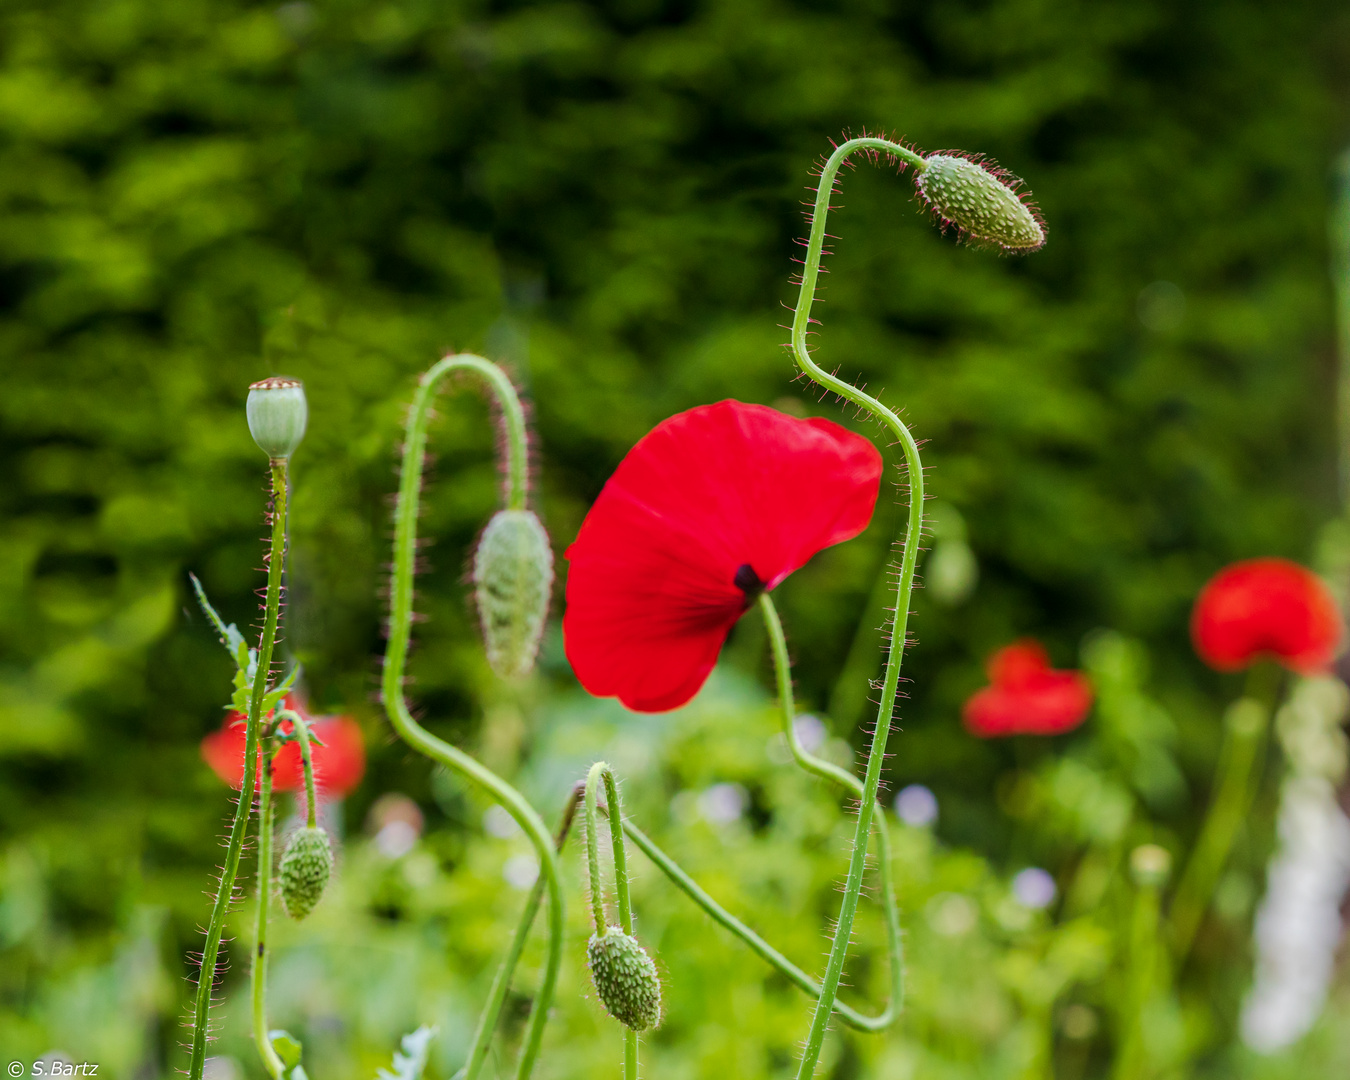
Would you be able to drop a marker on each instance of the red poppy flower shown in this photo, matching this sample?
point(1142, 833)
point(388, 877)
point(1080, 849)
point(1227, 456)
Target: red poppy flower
point(1026, 696)
point(1266, 607)
point(710, 508)
point(338, 765)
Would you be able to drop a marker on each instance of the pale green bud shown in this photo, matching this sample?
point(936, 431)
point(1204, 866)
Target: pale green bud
point(513, 574)
point(277, 414)
point(305, 867)
point(1150, 865)
point(625, 978)
point(981, 201)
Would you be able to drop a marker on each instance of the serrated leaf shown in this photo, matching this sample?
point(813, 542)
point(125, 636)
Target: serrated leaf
point(230, 636)
point(410, 1064)
point(273, 697)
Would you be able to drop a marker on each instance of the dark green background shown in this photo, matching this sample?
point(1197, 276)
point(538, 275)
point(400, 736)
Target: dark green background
point(605, 196)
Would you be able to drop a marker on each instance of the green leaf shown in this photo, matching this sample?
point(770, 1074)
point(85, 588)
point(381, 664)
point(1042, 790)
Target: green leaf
point(230, 636)
point(288, 1048)
point(409, 1064)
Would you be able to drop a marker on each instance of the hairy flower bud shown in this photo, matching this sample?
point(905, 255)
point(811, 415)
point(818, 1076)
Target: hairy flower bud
point(277, 414)
point(981, 201)
point(305, 867)
point(513, 573)
point(625, 978)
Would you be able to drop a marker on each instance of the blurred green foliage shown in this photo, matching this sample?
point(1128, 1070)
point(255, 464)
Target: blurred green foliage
point(605, 196)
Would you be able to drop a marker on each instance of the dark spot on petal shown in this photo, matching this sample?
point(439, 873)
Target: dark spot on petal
point(748, 582)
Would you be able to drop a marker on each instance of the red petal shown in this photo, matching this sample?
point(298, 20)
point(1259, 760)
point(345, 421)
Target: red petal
point(651, 592)
point(1266, 607)
point(1019, 663)
point(1027, 697)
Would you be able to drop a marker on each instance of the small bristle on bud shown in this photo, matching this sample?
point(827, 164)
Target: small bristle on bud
point(277, 415)
point(513, 577)
point(305, 868)
point(625, 979)
point(980, 201)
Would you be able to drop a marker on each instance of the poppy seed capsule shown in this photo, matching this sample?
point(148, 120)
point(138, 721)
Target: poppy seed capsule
point(305, 867)
point(277, 414)
point(979, 201)
point(513, 574)
point(625, 978)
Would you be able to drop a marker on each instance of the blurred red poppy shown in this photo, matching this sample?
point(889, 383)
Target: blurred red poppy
point(1266, 608)
point(1026, 696)
point(710, 508)
point(338, 765)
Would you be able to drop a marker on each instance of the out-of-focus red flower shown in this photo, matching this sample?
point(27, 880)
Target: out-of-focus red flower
point(1026, 696)
point(709, 509)
point(1266, 608)
point(338, 765)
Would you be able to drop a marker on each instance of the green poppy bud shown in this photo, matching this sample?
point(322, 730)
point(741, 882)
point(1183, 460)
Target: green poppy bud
point(1150, 865)
point(513, 573)
point(981, 201)
point(625, 978)
point(305, 867)
point(277, 413)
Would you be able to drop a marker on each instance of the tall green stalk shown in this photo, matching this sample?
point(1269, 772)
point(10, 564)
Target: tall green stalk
point(396, 656)
point(867, 798)
point(276, 558)
point(261, 1034)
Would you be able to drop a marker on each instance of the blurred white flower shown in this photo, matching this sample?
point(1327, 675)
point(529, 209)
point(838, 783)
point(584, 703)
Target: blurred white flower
point(498, 822)
point(723, 803)
point(916, 805)
point(1034, 888)
point(520, 871)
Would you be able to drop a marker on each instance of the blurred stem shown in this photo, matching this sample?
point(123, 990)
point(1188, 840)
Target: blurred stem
point(1340, 274)
point(829, 771)
point(261, 1037)
point(1145, 961)
point(600, 771)
point(276, 557)
point(1245, 725)
point(396, 657)
point(904, 587)
point(501, 982)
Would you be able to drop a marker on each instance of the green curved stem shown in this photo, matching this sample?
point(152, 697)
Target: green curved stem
point(396, 656)
point(600, 771)
point(306, 758)
point(276, 559)
point(261, 1036)
point(872, 778)
point(829, 771)
point(501, 982)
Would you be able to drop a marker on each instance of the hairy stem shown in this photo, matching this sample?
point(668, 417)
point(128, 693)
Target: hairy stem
point(600, 771)
point(867, 802)
point(261, 1037)
point(307, 759)
point(829, 771)
point(276, 558)
point(396, 656)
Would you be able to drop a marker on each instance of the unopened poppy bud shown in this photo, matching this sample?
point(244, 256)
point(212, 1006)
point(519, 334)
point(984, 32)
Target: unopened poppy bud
point(513, 573)
point(980, 201)
point(277, 414)
point(305, 867)
point(1150, 865)
point(625, 978)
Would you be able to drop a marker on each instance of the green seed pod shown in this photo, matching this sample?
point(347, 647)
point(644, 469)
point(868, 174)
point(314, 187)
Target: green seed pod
point(625, 978)
point(305, 866)
point(277, 414)
point(981, 201)
point(513, 572)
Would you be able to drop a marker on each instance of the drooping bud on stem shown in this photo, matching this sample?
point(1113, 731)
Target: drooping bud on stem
point(305, 868)
point(625, 978)
point(980, 200)
point(513, 574)
point(277, 414)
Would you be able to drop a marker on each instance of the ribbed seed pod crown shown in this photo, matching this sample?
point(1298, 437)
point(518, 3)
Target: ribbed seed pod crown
point(979, 201)
point(625, 978)
point(513, 575)
point(305, 868)
point(277, 415)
